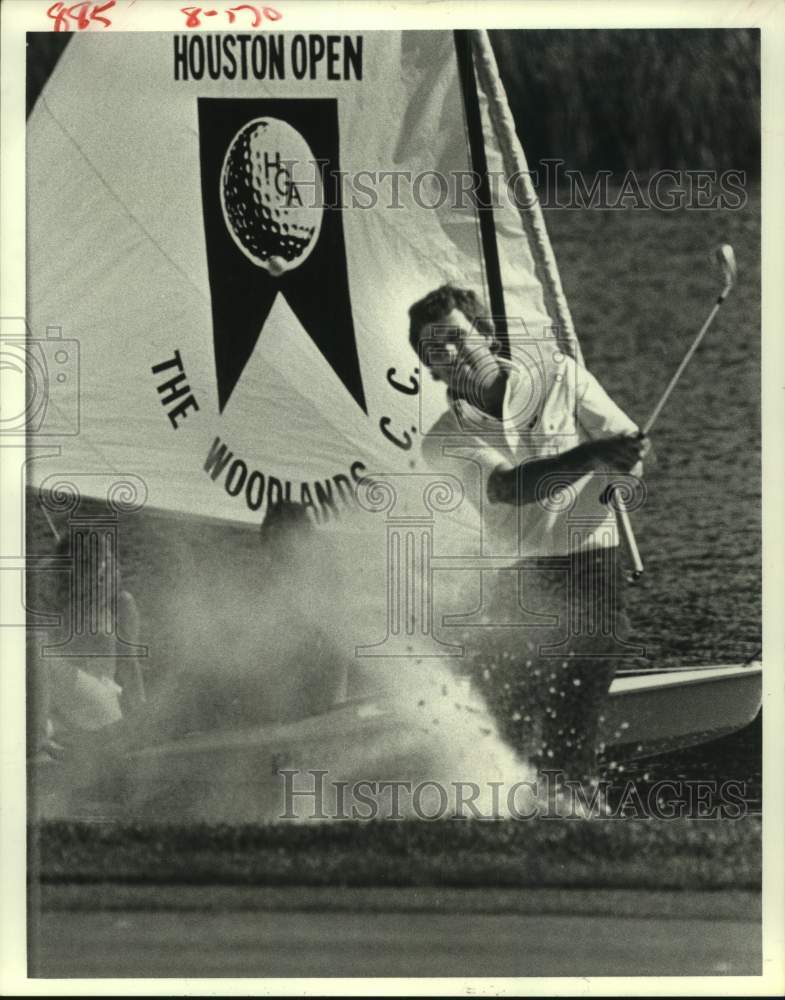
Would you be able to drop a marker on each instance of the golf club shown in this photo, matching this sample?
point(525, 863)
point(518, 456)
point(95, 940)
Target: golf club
point(625, 527)
point(726, 259)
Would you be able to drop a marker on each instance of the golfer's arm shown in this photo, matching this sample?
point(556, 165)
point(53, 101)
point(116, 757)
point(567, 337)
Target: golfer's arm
point(519, 485)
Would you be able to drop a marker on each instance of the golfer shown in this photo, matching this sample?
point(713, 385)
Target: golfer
point(540, 427)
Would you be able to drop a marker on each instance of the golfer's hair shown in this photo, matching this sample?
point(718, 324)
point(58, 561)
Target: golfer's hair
point(436, 305)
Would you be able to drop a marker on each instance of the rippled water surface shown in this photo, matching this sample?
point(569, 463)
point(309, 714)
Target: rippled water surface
point(640, 284)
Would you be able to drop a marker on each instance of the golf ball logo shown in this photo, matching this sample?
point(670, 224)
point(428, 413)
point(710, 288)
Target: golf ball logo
point(271, 195)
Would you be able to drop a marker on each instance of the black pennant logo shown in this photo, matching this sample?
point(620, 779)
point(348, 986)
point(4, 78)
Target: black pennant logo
point(271, 228)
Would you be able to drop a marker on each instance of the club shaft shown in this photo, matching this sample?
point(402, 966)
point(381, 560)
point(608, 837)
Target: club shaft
point(684, 362)
point(622, 516)
point(627, 534)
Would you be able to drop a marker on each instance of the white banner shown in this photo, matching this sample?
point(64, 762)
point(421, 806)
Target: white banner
point(236, 317)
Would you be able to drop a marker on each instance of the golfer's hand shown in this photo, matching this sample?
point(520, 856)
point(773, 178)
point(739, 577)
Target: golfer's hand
point(620, 453)
point(637, 470)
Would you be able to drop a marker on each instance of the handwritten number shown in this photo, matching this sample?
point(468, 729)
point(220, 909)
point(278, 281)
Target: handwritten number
point(244, 6)
point(192, 13)
point(256, 16)
point(81, 13)
point(98, 11)
point(85, 15)
point(59, 15)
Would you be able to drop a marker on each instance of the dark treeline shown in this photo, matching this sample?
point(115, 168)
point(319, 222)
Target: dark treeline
point(635, 99)
point(607, 100)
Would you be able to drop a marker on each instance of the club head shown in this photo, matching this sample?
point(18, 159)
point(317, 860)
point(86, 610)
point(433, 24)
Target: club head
point(726, 258)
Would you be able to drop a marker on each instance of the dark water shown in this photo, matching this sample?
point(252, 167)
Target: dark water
point(735, 758)
point(638, 298)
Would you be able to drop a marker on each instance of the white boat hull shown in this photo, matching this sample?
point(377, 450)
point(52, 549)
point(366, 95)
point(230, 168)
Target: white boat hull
point(663, 711)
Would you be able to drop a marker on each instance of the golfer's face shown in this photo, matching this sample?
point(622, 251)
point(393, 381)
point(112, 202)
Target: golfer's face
point(458, 354)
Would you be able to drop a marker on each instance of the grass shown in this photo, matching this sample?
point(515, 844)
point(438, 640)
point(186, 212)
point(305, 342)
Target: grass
point(729, 904)
point(631, 854)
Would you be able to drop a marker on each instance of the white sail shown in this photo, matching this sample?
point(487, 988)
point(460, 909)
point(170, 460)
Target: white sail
point(124, 259)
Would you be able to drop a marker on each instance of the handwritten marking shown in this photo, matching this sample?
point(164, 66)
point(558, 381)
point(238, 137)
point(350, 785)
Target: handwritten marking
point(259, 14)
point(84, 14)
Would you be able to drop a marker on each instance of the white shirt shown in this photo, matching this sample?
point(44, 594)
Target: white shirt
point(551, 404)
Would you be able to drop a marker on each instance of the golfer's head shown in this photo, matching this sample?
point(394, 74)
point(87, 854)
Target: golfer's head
point(450, 331)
